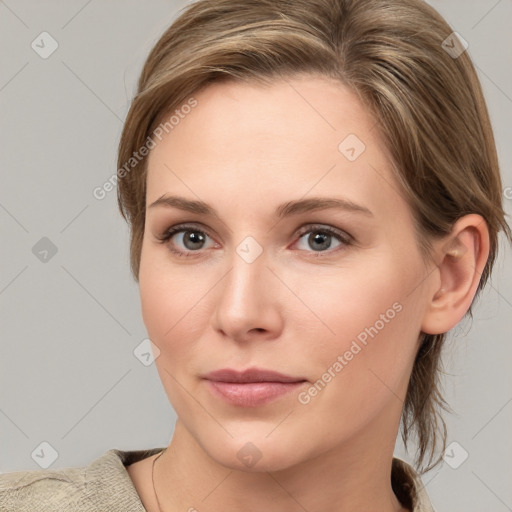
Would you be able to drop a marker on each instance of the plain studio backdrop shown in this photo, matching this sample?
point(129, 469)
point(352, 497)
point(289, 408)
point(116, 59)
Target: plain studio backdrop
point(72, 382)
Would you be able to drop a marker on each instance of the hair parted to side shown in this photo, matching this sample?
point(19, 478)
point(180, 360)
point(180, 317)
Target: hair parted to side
point(431, 111)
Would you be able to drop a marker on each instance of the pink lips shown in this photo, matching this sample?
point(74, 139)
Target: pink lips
point(252, 387)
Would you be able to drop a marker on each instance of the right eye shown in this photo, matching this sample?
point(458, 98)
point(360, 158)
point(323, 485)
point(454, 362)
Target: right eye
point(184, 240)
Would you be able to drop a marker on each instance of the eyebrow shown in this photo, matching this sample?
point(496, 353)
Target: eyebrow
point(284, 210)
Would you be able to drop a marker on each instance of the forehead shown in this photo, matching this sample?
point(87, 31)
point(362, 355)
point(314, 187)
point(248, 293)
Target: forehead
point(285, 139)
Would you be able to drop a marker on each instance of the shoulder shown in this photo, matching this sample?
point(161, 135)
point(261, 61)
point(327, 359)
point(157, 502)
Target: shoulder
point(408, 487)
point(104, 484)
point(41, 490)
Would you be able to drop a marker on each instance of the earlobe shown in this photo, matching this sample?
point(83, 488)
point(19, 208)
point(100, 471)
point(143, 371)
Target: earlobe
point(462, 257)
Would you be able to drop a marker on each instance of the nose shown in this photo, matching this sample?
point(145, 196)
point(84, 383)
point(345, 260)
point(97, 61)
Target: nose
point(249, 303)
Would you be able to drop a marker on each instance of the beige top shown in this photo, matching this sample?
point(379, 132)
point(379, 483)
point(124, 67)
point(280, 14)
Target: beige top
point(105, 485)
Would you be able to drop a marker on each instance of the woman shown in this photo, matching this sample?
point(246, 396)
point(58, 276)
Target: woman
point(314, 200)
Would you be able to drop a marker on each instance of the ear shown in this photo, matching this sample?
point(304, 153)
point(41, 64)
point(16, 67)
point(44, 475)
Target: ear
point(462, 256)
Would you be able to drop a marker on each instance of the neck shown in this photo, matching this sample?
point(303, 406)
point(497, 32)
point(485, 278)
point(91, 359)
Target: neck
point(352, 477)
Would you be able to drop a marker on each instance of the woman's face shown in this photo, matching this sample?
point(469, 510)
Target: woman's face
point(333, 297)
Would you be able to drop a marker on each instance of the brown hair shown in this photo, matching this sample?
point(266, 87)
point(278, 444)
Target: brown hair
point(429, 103)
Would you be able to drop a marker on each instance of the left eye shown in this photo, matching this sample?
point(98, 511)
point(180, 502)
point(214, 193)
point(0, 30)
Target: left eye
point(320, 239)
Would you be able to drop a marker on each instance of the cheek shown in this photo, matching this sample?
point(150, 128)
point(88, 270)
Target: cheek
point(374, 321)
point(356, 301)
point(167, 304)
point(163, 304)
point(173, 304)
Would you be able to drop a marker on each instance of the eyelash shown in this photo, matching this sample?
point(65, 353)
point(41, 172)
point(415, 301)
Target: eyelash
point(344, 238)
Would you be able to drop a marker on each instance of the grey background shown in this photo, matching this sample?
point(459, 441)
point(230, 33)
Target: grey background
point(69, 326)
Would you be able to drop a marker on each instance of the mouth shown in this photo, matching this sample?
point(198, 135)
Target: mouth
point(252, 387)
point(251, 375)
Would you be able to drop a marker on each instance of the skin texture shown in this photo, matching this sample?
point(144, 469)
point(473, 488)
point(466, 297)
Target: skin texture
point(245, 149)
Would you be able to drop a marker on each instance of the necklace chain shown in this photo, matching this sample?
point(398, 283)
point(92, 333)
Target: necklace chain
point(153, 479)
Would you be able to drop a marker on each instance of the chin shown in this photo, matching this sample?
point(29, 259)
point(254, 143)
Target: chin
point(258, 453)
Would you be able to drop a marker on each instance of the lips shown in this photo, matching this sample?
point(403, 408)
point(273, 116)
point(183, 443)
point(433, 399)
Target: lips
point(250, 375)
point(252, 387)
